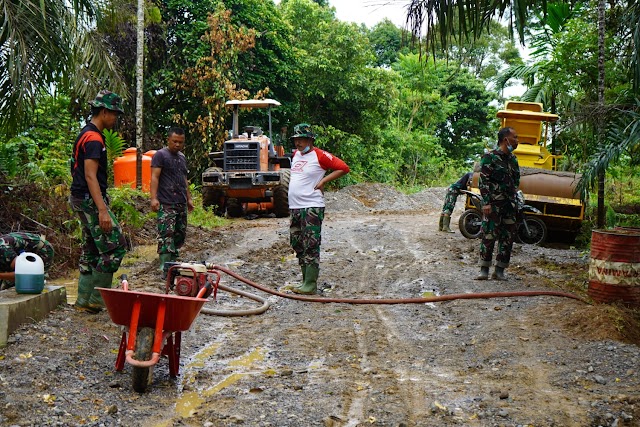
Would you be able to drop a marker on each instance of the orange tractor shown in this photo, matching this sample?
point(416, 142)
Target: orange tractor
point(250, 175)
point(553, 193)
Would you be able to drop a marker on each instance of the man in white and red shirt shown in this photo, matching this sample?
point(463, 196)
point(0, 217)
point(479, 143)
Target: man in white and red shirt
point(306, 202)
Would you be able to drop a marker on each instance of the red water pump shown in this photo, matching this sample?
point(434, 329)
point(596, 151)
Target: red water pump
point(186, 279)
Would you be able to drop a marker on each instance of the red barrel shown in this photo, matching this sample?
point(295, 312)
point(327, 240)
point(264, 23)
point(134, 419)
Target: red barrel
point(614, 269)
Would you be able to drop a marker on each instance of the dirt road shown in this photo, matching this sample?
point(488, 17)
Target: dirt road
point(539, 361)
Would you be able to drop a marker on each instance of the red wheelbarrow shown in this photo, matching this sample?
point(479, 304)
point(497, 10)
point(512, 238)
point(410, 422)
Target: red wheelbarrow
point(155, 323)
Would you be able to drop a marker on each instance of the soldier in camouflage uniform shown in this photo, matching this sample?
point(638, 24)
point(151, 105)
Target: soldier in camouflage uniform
point(103, 243)
point(499, 181)
point(170, 196)
point(450, 200)
point(306, 202)
point(12, 244)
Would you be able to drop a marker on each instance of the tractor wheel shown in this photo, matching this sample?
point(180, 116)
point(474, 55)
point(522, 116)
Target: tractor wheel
point(470, 224)
point(234, 208)
point(213, 197)
point(537, 233)
point(281, 195)
point(144, 345)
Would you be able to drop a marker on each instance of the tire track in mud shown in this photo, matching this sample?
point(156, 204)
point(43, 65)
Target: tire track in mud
point(389, 252)
point(414, 365)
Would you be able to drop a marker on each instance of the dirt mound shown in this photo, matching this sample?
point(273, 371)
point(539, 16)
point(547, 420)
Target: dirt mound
point(382, 197)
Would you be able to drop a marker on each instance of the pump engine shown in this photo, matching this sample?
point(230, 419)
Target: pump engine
point(186, 279)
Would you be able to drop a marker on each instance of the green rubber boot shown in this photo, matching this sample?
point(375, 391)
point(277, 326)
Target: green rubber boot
point(484, 274)
point(85, 286)
point(446, 221)
point(310, 284)
point(440, 223)
point(498, 274)
point(164, 258)
point(100, 280)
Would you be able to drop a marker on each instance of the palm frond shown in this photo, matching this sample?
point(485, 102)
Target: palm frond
point(440, 19)
point(623, 135)
point(36, 47)
point(632, 17)
point(91, 66)
point(526, 73)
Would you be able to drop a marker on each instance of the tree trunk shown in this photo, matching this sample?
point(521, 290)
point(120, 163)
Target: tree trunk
point(139, 92)
point(600, 115)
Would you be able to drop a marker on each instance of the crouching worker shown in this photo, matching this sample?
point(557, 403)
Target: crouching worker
point(103, 242)
point(12, 245)
point(450, 200)
point(306, 202)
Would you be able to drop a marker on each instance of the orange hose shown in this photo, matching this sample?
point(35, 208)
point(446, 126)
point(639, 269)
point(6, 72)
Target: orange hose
point(400, 300)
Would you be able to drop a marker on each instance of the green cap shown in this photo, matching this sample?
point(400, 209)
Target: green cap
point(303, 130)
point(108, 100)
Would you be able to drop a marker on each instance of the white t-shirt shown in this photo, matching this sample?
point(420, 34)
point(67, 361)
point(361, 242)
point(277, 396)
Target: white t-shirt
point(306, 171)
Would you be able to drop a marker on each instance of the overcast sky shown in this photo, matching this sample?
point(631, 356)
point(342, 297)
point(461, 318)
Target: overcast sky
point(370, 12)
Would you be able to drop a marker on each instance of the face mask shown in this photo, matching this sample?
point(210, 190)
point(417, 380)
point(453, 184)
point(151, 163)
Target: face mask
point(306, 149)
point(510, 147)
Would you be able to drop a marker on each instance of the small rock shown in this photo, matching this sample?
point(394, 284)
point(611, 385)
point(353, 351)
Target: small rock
point(625, 416)
point(599, 379)
point(504, 395)
point(112, 410)
point(503, 414)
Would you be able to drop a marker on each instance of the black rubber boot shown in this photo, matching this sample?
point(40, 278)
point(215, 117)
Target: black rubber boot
point(484, 274)
point(498, 274)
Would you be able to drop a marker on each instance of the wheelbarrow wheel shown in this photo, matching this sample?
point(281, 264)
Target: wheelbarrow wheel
point(144, 345)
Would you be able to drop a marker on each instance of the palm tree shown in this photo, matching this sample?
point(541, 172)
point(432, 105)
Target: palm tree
point(540, 85)
point(462, 19)
point(46, 44)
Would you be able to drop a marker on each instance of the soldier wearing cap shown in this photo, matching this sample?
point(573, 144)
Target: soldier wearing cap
point(103, 243)
point(306, 202)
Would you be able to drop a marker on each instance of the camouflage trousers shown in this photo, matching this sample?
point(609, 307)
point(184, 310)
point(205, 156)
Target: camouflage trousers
point(305, 235)
point(500, 225)
point(101, 252)
point(12, 244)
point(172, 228)
point(450, 200)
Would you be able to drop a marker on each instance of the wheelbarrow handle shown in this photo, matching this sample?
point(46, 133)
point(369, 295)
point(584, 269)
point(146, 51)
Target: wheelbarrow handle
point(155, 357)
point(124, 282)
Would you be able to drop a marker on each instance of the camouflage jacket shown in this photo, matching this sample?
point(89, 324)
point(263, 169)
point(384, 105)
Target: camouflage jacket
point(499, 177)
